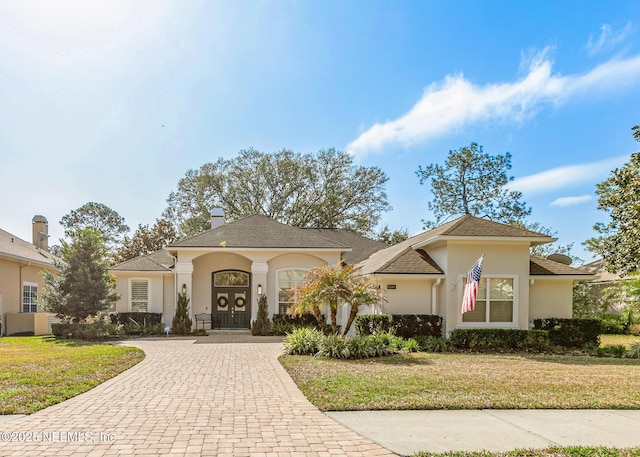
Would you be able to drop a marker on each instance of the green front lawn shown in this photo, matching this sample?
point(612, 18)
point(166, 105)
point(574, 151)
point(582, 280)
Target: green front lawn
point(571, 451)
point(36, 372)
point(626, 340)
point(467, 381)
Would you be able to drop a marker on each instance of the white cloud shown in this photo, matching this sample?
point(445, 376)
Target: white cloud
point(567, 176)
point(570, 201)
point(456, 102)
point(608, 38)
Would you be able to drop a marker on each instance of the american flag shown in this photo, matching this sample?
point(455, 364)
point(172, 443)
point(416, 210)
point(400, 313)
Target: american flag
point(471, 287)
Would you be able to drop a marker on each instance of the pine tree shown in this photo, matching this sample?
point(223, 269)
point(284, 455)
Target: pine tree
point(182, 323)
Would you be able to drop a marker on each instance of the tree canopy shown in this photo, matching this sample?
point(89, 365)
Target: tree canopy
point(106, 221)
point(146, 240)
point(83, 286)
point(304, 190)
point(472, 182)
point(619, 197)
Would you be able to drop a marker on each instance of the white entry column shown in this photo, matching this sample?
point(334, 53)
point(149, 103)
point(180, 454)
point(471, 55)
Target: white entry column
point(184, 274)
point(259, 272)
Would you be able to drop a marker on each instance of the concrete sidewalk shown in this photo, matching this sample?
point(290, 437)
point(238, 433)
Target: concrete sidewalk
point(405, 432)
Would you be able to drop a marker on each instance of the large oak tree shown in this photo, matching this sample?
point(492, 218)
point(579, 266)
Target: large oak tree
point(304, 190)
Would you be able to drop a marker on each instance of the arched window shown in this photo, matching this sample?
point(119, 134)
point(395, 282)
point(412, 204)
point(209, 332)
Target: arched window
point(231, 279)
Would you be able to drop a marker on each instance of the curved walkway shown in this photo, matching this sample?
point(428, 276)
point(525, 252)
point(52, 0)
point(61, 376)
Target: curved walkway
point(187, 399)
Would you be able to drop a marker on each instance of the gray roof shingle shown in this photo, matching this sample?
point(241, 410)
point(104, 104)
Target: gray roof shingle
point(259, 232)
point(156, 261)
point(361, 246)
point(13, 247)
point(541, 267)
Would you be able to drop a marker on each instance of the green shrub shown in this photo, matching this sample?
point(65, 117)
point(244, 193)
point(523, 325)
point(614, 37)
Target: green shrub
point(633, 352)
point(571, 333)
point(382, 343)
point(360, 347)
point(182, 323)
point(141, 319)
point(411, 345)
point(307, 319)
point(499, 340)
point(396, 343)
point(95, 331)
point(614, 324)
point(283, 328)
point(371, 324)
point(613, 350)
point(262, 325)
point(404, 325)
point(428, 344)
point(302, 341)
point(334, 346)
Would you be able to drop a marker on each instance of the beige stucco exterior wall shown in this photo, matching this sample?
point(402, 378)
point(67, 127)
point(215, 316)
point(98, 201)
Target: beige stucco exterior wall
point(161, 296)
point(13, 274)
point(411, 295)
point(500, 260)
point(202, 281)
point(286, 262)
point(26, 322)
point(551, 298)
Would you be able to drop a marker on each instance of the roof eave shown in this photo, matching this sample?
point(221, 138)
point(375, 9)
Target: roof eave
point(27, 260)
point(534, 241)
point(575, 277)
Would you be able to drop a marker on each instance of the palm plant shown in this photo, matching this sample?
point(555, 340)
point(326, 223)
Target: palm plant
point(325, 285)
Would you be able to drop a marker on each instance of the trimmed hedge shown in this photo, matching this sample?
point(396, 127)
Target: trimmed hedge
point(571, 333)
point(495, 339)
point(307, 319)
point(143, 319)
point(614, 324)
point(404, 325)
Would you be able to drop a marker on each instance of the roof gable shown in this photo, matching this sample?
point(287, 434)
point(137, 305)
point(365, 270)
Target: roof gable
point(13, 247)
point(156, 261)
point(258, 232)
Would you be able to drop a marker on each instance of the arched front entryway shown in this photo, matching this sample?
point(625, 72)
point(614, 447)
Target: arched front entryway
point(231, 298)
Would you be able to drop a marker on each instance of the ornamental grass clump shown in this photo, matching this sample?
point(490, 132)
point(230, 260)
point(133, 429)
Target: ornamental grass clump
point(633, 352)
point(334, 346)
point(302, 341)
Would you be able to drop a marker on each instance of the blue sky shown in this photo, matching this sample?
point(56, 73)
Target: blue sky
point(112, 101)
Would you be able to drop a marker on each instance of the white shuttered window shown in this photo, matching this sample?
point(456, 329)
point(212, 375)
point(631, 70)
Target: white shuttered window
point(139, 295)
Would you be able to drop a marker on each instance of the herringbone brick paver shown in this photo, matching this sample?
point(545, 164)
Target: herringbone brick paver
point(227, 398)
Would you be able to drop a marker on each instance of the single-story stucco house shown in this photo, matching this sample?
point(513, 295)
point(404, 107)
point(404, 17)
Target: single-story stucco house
point(223, 270)
point(20, 265)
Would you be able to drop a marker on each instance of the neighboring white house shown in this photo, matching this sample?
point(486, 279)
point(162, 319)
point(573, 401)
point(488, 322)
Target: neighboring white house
point(224, 269)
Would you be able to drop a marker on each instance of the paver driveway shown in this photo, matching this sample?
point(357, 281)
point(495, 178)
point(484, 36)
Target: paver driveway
point(190, 399)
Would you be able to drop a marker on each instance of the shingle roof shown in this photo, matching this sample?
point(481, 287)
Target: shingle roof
point(468, 225)
point(541, 267)
point(260, 232)
point(13, 247)
point(597, 268)
point(361, 246)
point(156, 261)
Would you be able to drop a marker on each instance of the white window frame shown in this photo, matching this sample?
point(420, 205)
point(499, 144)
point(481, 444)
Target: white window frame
point(277, 288)
point(32, 304)
point(487, 323)
point(131, 281)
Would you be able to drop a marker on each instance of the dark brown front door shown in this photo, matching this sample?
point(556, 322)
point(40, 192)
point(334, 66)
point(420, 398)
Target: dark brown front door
point(231, 307)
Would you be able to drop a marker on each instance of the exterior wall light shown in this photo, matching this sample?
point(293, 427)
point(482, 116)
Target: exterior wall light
point(184, 289)
point(259, 289)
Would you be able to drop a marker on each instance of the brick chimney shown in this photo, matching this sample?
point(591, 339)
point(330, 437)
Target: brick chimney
point(41, 232)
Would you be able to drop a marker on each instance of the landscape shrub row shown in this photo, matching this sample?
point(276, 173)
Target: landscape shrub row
point(312, 341)
point(141, 319)
point(499, 340)
point(571, 333)
point(404, 325)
